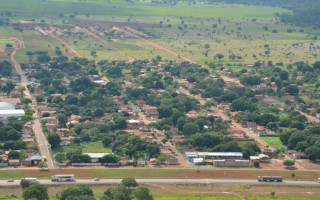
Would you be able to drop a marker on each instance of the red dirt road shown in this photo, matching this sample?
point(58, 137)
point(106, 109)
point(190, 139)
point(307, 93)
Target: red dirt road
point(107, 43)
point(159, 46)
point(63, 42)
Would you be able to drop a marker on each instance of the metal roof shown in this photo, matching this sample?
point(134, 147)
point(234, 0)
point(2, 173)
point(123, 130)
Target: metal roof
point(12, 113)
point(6, 106)
point(97, 155)
point(213, 154)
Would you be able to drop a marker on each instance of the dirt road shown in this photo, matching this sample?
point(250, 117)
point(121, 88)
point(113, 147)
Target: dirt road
point(65, 44)
point(40, 137)
point(157, 45)
point(183, 162)
point(107, 43)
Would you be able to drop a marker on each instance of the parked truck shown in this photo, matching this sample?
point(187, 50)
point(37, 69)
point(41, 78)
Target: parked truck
point(31, 180)
point(270, 178)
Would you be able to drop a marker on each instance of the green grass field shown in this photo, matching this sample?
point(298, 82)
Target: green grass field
point(274, 142)
point(123, 8)
point(89, 147)
point(197, 198)
point(4, 42)
point(159, 173)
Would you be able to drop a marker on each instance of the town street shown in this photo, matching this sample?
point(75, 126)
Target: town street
point(40, 137)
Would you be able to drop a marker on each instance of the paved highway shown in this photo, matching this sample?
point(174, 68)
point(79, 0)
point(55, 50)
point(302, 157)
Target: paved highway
point(206, 181)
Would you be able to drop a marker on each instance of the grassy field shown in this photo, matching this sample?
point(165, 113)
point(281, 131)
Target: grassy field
point(4, 42)
point(123, 8)
point(159, 173)
point(186, 29)
point(89, 147)
point(274, 142)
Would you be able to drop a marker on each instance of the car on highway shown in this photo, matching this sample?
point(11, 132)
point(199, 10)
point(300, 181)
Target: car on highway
point(97, 179)
point(318, 180)
point(10, 180)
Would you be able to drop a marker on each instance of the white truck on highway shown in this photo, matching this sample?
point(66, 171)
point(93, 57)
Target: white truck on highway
point(31, 180)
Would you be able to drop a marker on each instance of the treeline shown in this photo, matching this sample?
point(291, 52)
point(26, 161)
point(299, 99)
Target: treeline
point(305, 13)
point(128, 190)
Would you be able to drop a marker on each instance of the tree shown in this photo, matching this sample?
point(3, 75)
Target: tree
point(313, 152)
point(26, 101)
point(284, 75)
point(288, 163)
point(14, 155)
point(129, 182)
point(121, 193)
point(256, 163)
point(9, 87)
point(21, 89)
point(54, 139)
point(110, 158)
point(272, 194)
point(36, 191)
point(120, 123)
point(60, 157)
point(142, 193)
point(292, 89)
point(190, 129)
point(24, 183)
point(62, 118)
point(220, 56)
point(78, 191)
point(42, 165)
point(316, 65)
point(106, 141)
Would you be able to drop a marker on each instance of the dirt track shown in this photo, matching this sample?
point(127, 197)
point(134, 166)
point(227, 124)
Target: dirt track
point(158, 46)
point(107, 43)
point(63, 42)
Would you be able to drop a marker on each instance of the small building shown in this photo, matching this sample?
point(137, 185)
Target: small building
point(33, 160)
point(14, 162)
point(154, 161)
point(172, 161)
point(231, 163)
point(297, 155)
point(141, 162)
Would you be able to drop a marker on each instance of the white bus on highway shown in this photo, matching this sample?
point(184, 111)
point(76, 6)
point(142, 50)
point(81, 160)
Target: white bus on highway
point(63, 178)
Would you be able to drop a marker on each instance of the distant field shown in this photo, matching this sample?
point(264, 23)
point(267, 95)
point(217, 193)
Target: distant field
point(278, 198)
point(274, 142)
point(124, 8)
point(197, 198)
point(5, 42)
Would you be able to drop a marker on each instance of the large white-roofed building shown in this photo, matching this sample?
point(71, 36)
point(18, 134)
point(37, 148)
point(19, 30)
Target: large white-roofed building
point(8, 110)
